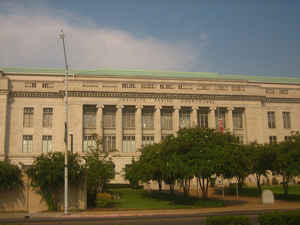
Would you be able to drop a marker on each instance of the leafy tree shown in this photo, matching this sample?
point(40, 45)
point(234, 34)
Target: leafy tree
point(10, 176)
point(99, 169)
point(133, 173)
point(47, 175)
point(287, 159)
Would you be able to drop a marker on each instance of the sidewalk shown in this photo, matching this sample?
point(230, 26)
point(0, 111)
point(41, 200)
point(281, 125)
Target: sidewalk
point(249, 206)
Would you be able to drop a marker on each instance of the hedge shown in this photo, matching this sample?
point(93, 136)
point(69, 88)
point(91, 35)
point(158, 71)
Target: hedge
point(228, 220)
point(280, 218)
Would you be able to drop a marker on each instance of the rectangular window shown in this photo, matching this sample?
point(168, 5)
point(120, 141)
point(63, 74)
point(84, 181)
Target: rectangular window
point(184, 118)
point(237, 118)
point(148, 140)
point(109, 143)
point(203, 118)
point(128, 118)
point(47, 117)
point(221, 87)
point(148, 119)
point(89, 142)
point(148, 86)
point(271, 120)
point(30, 84)
point(89, 116)
point(47, 85)
point(128, 85)
point(270, 91)
point(283, 91)
point(166, 86)
point(164, 136)
point(272, 139)
point(220, 115)
point(28, 117)
point(27, 143)
point(129, 144)
point(240, 139)
point(46, 144)
point(109, 118)
point(286, 119)
point(237, 88)
point(166, 119)
point(286, 138)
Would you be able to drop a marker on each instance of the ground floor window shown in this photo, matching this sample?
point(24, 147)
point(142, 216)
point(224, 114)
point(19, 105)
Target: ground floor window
point(148, 140)
point(89, 142)
point(129, 144)
point(109, 143)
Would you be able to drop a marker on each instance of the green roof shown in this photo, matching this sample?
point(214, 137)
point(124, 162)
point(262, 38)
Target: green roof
point(158, 74)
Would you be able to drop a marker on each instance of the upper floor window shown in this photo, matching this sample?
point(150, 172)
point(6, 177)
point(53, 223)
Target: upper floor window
point(148, 85)
point(270, 91)
point(286, 119)
point(185, 86)
point(89, 116)
point(109, 118)
point(166, 86)
point(148, 119)
point(184, 118)
point(109, 143)
point(237, 88)
point(47, 85)
point(220, 116)
point(28, 117)
point(128, 85)
point(237, 119)
point(221, 87)
point(129, 144)
point(27, 143)
point(271, 120)
point(47, 117)
point(128, 118)
point(30, 84)
point(283, 91)
point(166, 119)
point(148, 140)
point(203, 118)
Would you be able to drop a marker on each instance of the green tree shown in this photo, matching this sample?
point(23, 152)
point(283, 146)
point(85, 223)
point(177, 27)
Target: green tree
point(47, 175)
point(133, 173)
point(287, 159)
point(10, 176)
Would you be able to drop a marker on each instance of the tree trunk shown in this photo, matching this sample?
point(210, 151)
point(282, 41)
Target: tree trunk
point(159, 185)
point(285, 185)
point(204, 186)
point(171, 188)
point(258, 182)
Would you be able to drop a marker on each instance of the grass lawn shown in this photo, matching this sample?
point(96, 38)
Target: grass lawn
point(293, 191)
point(141, 199)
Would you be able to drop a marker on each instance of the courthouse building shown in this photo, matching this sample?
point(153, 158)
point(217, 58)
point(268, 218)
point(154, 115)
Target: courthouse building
point(129, 109)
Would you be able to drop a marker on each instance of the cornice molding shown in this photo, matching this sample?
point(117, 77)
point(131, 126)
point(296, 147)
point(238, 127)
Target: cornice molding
point(102, 94)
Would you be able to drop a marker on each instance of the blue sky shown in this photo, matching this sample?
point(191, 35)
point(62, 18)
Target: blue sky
point(233, 36)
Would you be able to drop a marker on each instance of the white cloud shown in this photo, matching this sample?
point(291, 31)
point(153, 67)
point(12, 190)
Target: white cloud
point(29, 37)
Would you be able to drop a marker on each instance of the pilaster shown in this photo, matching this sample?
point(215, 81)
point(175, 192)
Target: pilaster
point(157, 124)
point(176, 119)
point(229, 119)
point(99, 121)
point(212, 118)
point(138, 126)
point(3, 126)
point(194, 116)
point(119, 128)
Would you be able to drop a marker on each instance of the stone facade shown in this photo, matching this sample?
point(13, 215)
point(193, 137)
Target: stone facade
point(129, 111)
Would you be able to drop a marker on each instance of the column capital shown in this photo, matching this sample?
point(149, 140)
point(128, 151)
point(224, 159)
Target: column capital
point(195, 107)
point(158, 107)
point(212, 108)
point(230, 108)
point(139, 106)
point(119, 106)
point(100, 106)
point(176, 107)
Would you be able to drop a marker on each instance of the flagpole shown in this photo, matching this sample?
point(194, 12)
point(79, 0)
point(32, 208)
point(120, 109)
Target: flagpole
point(62, 36)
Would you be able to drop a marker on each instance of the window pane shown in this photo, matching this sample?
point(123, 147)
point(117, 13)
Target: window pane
point(166, 120)
point(89, 116)
point(184, 118)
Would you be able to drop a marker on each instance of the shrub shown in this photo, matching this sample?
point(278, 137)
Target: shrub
point(227, 220)
point(274, 181)
point(104, 200)
point(280, 218)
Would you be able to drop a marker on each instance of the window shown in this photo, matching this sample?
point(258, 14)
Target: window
point(270, 91)
point(286, 119)
point(27, 143)
point(164, 136)
point(221, 87)
point(148, 86)
point(109, 118)
point(185, 86)
point(28, 118)
point(148, 119)
point(30, 84)
point(271, 120)
point(283, 91)
point(47, 85)
point(148, 140)
point(109, 143)
point(128, 118)
point(184, 118)
point(240, 139)
point(272, 139)
point(47, 117)
point(128, 85)
point(89, 142)
point(47, 144)
point(166, 119)
point(220, 118)
point(237, 119)
point(237, 88)
point(287, 138)
point(129, 144)
point(166, 86)
point(89, 116)
point(203, 118)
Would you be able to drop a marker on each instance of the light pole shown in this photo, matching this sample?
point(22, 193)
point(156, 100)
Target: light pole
point(62, 36)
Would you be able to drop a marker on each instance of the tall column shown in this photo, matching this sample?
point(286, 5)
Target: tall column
point(176, 119)
point(229, 124)
point(157, 124)
point(138, 126)
point(119, 128)
point(194, 116)
point(212, 118)
point(99, 121)
point(3, 126)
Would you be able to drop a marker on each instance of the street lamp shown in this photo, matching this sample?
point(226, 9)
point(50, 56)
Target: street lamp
point(62, 36)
